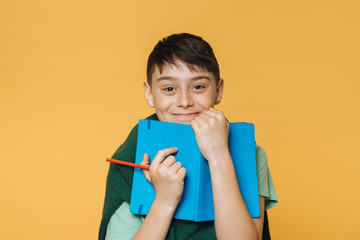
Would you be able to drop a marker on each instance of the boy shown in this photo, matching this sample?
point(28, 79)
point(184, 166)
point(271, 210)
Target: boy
point(183, 85)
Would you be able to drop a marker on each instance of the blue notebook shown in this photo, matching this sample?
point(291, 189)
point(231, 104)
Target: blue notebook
point(197, 201)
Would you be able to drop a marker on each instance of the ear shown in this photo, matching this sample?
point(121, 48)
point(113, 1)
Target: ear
point(219, 91)
point(148, 94)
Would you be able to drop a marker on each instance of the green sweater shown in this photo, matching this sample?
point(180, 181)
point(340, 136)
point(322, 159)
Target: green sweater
point(118, 190)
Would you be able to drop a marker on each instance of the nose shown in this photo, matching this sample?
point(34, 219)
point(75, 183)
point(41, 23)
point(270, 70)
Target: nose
point(184, 99)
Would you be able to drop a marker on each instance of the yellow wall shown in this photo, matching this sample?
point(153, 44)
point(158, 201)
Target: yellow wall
point(70, 90)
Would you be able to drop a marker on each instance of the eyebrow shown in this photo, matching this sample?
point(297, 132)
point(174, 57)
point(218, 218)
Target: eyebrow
point(191, 79)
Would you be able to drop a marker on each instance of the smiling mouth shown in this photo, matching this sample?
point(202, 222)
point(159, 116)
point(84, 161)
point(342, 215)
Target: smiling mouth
point(186, 115)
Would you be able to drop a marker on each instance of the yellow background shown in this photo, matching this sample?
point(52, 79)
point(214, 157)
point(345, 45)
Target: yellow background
point(71, 75)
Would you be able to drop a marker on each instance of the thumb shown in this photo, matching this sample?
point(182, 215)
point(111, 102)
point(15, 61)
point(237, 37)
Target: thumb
point(145, 161)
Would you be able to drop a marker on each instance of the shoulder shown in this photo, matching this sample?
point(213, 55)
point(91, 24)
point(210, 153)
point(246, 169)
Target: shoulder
point(130, 143)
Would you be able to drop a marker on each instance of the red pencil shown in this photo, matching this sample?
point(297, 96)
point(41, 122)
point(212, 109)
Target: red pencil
point(128, 164)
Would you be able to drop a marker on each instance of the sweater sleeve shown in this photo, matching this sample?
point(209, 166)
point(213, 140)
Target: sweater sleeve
point(123, 225)
point(265, 183)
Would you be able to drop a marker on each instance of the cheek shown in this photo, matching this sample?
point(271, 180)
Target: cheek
point(207, 105)
point(207, 101)
point(163, 103)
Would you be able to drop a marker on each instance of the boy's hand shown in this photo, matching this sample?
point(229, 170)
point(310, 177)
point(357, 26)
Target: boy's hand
point(212, 134)
point(167, 176)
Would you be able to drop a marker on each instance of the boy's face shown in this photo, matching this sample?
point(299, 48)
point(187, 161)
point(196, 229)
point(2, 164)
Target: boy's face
point(179, 94)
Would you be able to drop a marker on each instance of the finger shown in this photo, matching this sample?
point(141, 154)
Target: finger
point(213, 112)
point(201, 118)
point(175, 167)
point(194, 124)
point(169, 161)
point(218, 115)
point(145, 161)
point(181, 173)
point(213, 109)
point(203, 113)
point(160, 155)
point(211, 116)
point(198, 123)
point(205, 119)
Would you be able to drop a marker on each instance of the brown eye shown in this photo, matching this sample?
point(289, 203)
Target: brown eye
point(169, 89)
point(197, 87)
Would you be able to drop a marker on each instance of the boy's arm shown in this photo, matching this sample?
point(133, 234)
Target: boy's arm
point(167, 177)
point(157, 222)
point(232, 219)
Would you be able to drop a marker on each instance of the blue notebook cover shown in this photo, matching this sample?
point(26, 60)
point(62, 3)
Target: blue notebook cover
point(197, 201)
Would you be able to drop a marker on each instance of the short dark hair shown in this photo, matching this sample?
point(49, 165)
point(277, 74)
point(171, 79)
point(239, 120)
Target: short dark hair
point(189, 48)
